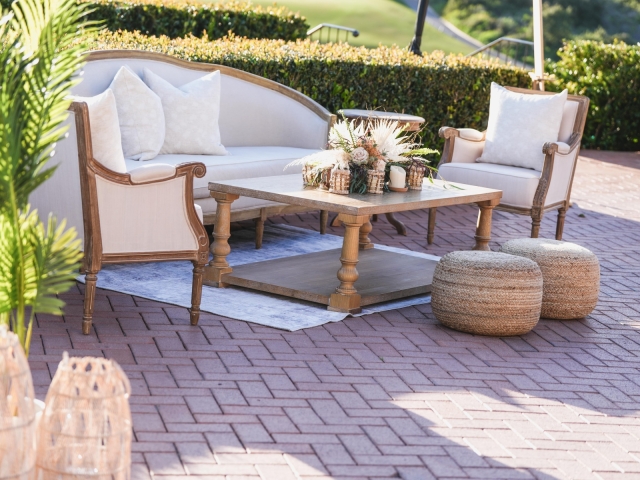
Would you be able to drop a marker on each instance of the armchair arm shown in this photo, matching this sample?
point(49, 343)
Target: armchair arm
point(556, 179)
point(550, 148)
point(461, 144)
point(152, 173)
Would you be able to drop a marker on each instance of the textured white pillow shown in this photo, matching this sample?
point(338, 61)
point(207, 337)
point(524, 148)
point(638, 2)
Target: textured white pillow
point(191, 114)
point(140, 115)
point(105, 130)
point(519, 126)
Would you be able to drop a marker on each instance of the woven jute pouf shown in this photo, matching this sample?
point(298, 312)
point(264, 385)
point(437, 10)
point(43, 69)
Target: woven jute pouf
point(487, 293)
point(571, 275)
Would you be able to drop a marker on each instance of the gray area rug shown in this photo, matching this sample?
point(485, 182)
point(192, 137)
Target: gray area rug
point(170, 282)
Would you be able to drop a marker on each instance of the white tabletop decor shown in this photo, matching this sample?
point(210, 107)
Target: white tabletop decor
point(360, 156)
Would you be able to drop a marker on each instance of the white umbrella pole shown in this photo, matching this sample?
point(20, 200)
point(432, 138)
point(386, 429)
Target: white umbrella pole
point(538, 46)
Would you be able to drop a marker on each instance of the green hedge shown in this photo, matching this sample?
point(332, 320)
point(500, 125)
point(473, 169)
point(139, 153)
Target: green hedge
point(609, 74)
point(175, 18)
point(445, 90)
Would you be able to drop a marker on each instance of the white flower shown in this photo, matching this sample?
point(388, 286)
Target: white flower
point(380, 165)
point(388, 138)
point(359, 156)
point(345, 133)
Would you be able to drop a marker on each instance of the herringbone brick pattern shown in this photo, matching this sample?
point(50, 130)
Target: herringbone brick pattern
point(391, 395)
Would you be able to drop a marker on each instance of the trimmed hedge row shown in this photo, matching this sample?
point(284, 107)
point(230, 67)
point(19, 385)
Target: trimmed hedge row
point(445, 90)
point(609, 74)
point(181, 18)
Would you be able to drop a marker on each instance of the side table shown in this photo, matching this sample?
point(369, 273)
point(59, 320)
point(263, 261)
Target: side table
point(412, 123)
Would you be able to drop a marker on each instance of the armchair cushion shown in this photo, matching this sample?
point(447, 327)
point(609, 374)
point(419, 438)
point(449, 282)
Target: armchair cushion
point(518, 185)
point(105, 130)
point(191, 114)
point(519, 125)
point(151, 173)
point(140, 115)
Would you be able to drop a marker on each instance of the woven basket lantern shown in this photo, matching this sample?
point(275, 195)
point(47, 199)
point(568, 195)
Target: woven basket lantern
point(325, 179)
point(308, 175)
point(571, 275)
point(340, 180)
point(17, 411)
point(85, 431)
point(487, 293)
point(416, 176)
point(375, 181)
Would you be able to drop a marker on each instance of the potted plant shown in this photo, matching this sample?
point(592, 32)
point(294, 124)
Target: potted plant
point(40, 54)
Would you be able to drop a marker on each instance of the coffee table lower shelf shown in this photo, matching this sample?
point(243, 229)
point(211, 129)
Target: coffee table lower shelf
point(383, 276)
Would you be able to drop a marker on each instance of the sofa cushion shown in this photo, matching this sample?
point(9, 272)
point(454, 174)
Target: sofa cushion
point(140, 115)
point(242, 162)
point(190, 114)
point(105, 130)
point(518, 185)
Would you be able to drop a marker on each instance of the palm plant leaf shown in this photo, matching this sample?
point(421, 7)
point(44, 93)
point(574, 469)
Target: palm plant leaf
point(40, 56)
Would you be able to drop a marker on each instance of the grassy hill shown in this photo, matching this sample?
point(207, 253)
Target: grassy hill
point(378, 21)
point(487, 20)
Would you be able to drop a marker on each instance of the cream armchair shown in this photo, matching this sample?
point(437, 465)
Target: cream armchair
point(525, 191)
point(145, 215)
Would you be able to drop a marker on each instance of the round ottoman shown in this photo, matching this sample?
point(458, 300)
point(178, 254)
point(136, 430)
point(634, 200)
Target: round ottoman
point(571, 275)
point(487, 293)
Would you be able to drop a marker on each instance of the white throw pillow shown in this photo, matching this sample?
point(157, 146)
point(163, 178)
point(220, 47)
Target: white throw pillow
point(191, 114)
point(140, 115)
point(105, 130)
point(519, 126)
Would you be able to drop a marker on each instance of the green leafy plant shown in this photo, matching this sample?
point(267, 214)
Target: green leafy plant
point(444, 89)
point(180, 18)
point(609, 74)
point(39, 54)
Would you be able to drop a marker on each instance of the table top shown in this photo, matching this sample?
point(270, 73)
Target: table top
point(290, 189)
point(413, 122)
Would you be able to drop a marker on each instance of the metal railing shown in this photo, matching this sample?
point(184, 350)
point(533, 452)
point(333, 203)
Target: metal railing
point(513, 51)
point(328, 29)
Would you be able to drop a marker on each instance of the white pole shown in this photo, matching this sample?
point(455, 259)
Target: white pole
point(538, 45)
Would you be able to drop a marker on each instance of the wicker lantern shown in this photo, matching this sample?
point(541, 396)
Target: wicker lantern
point(375, 181)
point(416, 176)
point(17, 410)
point(85, 431)
point(340, 180)
point(308, 175)
point(325, 179)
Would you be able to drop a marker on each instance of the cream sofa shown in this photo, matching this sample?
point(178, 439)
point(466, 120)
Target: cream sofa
point(264, 126)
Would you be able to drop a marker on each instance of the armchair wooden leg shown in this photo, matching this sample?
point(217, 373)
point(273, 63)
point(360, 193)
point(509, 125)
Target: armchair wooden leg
point(89, 298)
point(432, 225)
point(335, 221)
point(324, 218)
point(560, 225)
point(536, 219)
point(196, 293)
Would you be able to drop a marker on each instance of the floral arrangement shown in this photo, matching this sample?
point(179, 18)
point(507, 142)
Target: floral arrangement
point(359, 158)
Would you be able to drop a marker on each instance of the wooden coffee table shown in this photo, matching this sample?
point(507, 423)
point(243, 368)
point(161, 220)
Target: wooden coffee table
point(330, 277)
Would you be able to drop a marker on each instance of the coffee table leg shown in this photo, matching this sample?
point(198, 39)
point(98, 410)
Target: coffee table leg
point(483, 229)
point(365, 230)
point(346, 297)
point(218, 266)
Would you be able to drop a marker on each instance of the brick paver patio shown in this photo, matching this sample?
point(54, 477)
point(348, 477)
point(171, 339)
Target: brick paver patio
point(391, 395)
